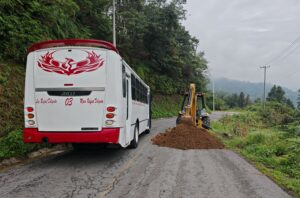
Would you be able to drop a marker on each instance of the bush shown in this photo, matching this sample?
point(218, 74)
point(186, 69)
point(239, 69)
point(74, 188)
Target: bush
point(11, 98)
point(271, 141)
point(13, 145)
point(256, 138)
point(277, 114)
point(165, 106)
point(294, 128)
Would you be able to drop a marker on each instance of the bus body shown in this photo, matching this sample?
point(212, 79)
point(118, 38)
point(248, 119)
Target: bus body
point(82, 91)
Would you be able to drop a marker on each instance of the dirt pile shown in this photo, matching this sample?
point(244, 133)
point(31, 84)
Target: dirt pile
point(185, 136)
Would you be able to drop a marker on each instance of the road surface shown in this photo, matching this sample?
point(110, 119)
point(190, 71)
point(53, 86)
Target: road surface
point(149, 171)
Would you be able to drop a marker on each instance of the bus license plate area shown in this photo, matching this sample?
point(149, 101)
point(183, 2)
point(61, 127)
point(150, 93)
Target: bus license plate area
point(69, 93)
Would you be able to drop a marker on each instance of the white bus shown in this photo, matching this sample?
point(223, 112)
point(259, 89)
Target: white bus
point(82, 91)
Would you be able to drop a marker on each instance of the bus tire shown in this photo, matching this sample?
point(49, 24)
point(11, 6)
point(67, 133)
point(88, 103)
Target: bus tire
point(134, 143)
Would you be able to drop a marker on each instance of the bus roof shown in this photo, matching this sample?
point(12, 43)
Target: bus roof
point(72, 42)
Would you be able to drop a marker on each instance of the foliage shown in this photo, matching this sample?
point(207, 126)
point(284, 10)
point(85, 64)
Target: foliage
point(277, 114)
point(270, 138)
point(12, 145)
point(25, 22)
point(165, 106)
point(149, 35)
point(278, 95)
point(152, 32)
point(11, 98)
point(224, 101)
point(298, 100)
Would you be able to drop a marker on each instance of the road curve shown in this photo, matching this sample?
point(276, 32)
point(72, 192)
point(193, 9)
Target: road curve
point(149, 171)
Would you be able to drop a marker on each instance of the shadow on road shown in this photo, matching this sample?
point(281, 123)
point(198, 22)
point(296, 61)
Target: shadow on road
point(91, 155)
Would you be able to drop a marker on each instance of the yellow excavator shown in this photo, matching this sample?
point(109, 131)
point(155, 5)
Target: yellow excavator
point(193, 109)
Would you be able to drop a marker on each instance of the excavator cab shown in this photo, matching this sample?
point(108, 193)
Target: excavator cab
point(193, 109)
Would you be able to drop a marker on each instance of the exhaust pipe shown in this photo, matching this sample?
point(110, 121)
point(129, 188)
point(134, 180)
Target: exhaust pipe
point(45, 140)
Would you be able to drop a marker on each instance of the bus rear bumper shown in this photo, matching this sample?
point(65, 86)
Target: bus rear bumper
point(107, 135)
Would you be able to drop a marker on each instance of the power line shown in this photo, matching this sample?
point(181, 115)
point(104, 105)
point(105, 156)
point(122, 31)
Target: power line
point(283, 52)
point(291, 51)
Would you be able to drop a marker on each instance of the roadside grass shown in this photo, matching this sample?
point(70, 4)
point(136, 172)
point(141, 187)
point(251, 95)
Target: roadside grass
point(165, 106)
point(274, 151)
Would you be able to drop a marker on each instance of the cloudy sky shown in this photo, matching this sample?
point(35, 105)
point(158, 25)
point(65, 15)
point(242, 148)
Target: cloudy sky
point(239, 36)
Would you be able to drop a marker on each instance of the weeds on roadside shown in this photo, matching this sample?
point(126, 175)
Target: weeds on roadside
point(271, 141)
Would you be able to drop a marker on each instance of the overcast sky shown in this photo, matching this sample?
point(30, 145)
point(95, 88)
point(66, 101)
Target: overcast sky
point(239, 36)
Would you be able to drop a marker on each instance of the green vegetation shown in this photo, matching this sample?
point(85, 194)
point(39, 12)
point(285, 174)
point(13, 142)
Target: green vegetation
point(298, 100)
point(278, 95)
point(225, 101)
point(150, 35)
point(166, 106)
point(11, 98)
point(270, 139)
point(12, 145)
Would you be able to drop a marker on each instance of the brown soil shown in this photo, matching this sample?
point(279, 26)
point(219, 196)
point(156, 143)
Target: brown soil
point(185, 136)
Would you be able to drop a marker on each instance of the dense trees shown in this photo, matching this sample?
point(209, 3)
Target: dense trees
point(225, 101)
point(278, 95)
point(149, 35)
point(298, 100)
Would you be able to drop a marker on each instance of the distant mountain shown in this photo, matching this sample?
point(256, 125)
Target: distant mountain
point(255, 90)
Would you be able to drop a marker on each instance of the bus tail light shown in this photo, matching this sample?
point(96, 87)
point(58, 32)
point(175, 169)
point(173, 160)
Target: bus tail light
point(29, 112)
point(30, 115)
point(111, 109)
point(29, 109)
point(110, 115)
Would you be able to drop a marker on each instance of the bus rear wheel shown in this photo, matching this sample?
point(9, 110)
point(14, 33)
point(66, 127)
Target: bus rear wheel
point(134, 143)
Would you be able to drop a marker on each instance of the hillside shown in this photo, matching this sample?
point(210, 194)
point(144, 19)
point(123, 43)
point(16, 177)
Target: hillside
point(255, 90)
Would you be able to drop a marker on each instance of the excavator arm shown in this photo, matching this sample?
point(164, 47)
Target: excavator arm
point(193, 109)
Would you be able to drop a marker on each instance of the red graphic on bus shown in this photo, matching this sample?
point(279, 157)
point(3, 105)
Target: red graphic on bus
point(70, 67)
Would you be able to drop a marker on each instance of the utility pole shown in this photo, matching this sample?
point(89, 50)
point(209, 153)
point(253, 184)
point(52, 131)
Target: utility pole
point(265, 74)
point(114, 23)
point(213, 89)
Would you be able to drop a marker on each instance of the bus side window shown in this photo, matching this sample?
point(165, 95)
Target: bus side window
point(144, 94)
point(133, 87)
point(124, 81)
point(140, 92)
point(137, 90)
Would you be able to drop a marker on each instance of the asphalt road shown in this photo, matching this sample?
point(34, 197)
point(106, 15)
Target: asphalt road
point(149, 171)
